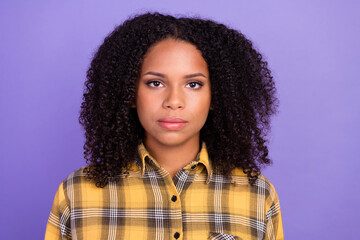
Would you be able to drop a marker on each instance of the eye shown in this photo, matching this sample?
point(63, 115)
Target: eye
point(195, 85)
point(154, 84)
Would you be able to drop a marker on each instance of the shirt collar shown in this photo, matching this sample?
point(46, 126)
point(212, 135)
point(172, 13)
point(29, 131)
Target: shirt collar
point(202, 158)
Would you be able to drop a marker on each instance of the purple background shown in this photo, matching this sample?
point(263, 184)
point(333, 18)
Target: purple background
point(312, 48)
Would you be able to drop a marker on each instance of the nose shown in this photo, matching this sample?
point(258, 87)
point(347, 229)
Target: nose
point(174, 99)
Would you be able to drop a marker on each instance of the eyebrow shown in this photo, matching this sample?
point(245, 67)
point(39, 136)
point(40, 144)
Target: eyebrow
point(164, 76)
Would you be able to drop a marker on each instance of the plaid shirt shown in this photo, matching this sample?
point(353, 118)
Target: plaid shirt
point(148, 204)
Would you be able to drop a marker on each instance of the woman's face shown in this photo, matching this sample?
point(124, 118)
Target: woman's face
point(173, 93)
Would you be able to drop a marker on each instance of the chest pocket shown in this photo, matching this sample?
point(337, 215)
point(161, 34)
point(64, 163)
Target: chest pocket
point(222, 236)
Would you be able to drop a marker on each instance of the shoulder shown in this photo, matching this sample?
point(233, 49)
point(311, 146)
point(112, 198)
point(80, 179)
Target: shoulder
point(77, 183)
point(79, 191)
point(269, 190)
point(75, 177)
point(262, 185)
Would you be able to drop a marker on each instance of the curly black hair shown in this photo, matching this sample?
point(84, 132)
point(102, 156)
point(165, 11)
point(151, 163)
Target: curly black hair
point(242, 88)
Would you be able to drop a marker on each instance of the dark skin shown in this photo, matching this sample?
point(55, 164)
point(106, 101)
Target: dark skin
point(173, 100)
point(242, 96)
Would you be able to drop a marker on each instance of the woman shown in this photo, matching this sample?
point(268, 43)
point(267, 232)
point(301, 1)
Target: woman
point(175, 114)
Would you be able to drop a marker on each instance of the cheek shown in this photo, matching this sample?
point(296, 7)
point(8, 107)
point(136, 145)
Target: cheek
point(146, 107)
point(144, 118)
point(141, 109)
point(205, 101)
point(201, 109)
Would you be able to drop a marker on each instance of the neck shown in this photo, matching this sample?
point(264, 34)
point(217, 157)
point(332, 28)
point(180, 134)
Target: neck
point(173, 158)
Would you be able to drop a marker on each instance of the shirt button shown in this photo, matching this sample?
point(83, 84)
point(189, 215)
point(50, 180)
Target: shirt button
point(193, 166)
point(173, 198)
point(176, 235)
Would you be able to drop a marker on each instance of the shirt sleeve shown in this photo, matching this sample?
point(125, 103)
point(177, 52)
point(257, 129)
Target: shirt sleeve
point(274, 226)
point(58, 225)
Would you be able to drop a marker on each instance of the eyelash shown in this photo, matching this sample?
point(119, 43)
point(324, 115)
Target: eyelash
point(200, 84)
point(152, 82)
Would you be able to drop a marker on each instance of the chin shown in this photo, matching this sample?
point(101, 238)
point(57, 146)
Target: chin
point(172, 139)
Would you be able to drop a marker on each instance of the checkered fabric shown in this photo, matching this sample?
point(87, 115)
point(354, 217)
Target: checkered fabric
point(148, 204)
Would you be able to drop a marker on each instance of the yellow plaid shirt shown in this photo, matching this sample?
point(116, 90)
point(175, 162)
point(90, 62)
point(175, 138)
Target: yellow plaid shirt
point(148, 204)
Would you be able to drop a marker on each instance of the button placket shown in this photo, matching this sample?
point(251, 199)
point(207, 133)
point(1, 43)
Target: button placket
point(174, 203)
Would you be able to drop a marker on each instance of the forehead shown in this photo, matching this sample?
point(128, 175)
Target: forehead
point(170, 55)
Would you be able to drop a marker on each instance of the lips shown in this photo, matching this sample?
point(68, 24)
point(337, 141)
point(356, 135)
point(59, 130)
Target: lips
point(171, 123)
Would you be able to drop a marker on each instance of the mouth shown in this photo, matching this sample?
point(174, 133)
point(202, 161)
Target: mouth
point(171, 123)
